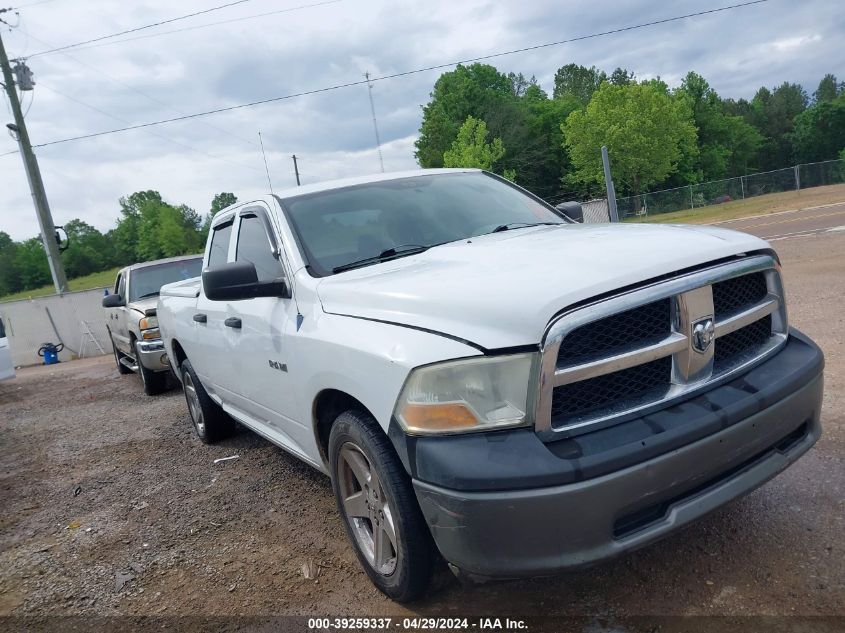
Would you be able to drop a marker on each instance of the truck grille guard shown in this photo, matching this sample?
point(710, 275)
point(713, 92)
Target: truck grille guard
point(639, 351)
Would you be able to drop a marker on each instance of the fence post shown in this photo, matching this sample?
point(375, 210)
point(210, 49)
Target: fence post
point(797, 178)
point(742, 185)
point(691, 203)
point(611, 190)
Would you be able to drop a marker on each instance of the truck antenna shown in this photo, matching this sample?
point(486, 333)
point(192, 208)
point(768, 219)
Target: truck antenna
point(267, 169)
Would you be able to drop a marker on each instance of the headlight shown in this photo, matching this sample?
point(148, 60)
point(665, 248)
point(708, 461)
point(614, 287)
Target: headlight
point(148, 322)
point(475, 394)
point(149, 335)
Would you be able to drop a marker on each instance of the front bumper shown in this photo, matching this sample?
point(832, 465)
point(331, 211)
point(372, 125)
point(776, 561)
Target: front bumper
point(528, 531)
point(152, 355)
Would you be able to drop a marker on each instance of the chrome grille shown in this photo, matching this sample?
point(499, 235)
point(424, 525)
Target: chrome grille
point(738, 294)
point(643, 349)
point(641, 383)
point(742, 345)
point(611, 335)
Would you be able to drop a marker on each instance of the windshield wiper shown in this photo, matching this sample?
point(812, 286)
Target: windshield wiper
point(521, 225)
point(149, 294)
point(386, 255)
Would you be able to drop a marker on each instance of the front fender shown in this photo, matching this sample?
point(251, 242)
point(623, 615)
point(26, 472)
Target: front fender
point(367, 360)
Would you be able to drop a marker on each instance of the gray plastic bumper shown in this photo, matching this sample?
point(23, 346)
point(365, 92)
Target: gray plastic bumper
point(543, 530)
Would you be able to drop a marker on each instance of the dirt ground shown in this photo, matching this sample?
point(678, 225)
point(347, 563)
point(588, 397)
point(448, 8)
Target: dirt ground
point(111, 506)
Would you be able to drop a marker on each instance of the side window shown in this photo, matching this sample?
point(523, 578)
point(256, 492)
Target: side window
point(2, 329)
point(117, 283)
point(219, 251)
point(254, 246)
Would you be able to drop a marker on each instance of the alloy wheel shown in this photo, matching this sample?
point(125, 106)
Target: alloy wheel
point(367, 509)
point(194, 408)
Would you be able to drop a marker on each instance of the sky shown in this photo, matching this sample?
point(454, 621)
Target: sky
point(144, 77)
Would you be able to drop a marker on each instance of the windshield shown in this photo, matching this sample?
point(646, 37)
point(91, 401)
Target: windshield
point(343, 226)
point(147, 282)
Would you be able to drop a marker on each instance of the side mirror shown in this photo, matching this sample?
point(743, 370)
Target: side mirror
point(239, 280)
point(113, 301)
point(572, 210)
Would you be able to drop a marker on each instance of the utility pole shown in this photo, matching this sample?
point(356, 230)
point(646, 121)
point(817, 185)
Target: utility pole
point(375, 124)
point(611, 190)
point(33, 175)
point(296, 170)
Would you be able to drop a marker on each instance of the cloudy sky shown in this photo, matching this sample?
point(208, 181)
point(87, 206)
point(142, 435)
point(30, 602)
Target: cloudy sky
point(145, 78)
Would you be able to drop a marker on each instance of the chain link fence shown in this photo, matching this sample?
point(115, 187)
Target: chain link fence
point(693, 196)
point(596, 211)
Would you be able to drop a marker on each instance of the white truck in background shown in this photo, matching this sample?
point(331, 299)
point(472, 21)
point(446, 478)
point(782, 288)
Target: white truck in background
point(132, 324)
point(7, 366)
point(480, 374)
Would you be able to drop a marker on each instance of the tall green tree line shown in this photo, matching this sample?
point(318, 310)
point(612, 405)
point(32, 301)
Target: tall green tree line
point(148, 228)
point(658, 136)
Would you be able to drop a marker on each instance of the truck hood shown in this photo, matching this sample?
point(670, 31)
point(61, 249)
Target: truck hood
point(501, 290)
point(142, 305)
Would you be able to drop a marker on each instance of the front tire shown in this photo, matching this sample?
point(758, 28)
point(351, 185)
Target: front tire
point(210, 421)
point(154, 381)
point(379, 509)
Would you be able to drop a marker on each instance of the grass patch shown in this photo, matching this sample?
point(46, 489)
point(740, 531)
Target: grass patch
point(759, 205)
point(94, 280)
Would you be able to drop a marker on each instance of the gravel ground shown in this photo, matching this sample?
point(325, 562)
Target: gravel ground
point(112, 507)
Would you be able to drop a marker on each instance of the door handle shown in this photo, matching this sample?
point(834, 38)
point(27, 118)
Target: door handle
point(233, 322)
point(200, 318)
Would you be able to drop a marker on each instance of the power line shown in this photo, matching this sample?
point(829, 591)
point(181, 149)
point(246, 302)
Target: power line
point(161, 136)
point(403, 73)
point(141, 28)
point(136, 90)
point(202, 26)
point(32, 4)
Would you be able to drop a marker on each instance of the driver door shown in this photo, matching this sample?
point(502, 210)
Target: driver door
point(118, 317)
point(262, 350)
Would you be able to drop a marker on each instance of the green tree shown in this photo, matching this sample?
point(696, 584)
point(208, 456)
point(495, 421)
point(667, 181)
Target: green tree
point(88, 250)
point(473, 90)
point(578, 81)
point(471, 149)
point(127, 232)
point(520, 84)
point(221, 201)
point(727, 145)
point(828, 89)
point(218, 203)
point(550, 161)
point(737, 107)
point(167, 231)
point(773, 113)
point(819, 131)
point(509, 105)
point(646, 133)
point(31, 264)
point(9, 280)
point(622, 77)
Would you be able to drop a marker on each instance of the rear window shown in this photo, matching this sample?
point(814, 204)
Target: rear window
point(218, 253)
point(147, 282)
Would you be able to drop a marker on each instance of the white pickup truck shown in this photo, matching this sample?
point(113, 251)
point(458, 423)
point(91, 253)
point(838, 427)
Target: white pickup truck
point(7, 366)
point(481, 375)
